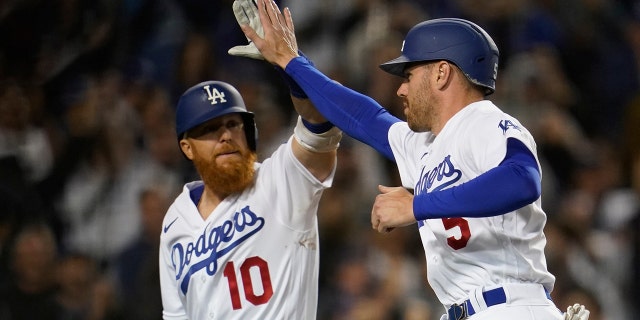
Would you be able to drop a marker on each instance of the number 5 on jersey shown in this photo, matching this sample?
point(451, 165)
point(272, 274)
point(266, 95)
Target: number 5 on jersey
point(465, 232)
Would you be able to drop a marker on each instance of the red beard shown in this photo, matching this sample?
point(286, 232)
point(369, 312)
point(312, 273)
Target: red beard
point(228, 178)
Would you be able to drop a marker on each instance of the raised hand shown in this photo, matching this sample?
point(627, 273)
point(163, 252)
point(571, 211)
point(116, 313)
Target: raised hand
point(279, 44)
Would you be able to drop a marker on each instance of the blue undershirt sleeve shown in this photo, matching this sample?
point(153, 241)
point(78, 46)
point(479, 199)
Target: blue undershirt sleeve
point(356, 114)
point(514, 183)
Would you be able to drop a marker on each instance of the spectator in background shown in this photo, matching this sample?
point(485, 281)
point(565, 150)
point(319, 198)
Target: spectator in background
point(26, 153)
point(31, 291)
point(83, 293)
point(137, 269)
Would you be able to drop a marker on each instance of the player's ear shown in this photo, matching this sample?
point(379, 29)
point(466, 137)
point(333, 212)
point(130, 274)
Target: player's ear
point(442, 69)
point(185, 146)
point(443, 73)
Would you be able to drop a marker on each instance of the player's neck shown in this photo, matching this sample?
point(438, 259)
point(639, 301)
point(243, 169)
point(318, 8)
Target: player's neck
point(208, 202)
point(454, 104)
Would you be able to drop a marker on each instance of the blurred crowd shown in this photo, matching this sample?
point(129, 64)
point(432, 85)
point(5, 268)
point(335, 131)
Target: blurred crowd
point(89, 160)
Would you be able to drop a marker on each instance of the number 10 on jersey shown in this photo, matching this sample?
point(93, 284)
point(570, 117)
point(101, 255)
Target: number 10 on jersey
point(252, 264)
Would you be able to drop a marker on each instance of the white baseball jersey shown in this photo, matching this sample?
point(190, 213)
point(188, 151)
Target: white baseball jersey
point(466, 253)
point(255, 256)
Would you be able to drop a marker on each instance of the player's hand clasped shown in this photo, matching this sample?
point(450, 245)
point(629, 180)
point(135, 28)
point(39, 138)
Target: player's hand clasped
point(392, 208)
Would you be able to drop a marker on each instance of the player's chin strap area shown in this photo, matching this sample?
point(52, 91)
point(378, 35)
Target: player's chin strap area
point(481, 300)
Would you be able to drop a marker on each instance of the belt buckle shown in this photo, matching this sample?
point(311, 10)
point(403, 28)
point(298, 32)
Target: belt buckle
point(458, 311)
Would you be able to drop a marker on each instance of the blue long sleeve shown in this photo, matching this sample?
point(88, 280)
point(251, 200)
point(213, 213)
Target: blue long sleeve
point(514, 183)
point(356, 114)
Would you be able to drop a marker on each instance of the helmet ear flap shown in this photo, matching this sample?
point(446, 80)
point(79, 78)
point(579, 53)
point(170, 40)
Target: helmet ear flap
point(250, 130)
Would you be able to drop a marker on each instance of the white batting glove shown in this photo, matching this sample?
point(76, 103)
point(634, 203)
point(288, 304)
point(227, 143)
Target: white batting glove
point(576, 312)
point(246, 12)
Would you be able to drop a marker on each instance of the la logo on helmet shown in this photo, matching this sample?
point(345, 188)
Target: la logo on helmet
point(214, 95)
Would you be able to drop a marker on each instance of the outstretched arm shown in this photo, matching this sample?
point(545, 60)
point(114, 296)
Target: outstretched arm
point(358, 115)
point(316, 139)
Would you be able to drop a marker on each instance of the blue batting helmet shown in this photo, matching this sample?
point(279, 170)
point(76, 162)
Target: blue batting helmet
point(212, 99)
point(458, 41)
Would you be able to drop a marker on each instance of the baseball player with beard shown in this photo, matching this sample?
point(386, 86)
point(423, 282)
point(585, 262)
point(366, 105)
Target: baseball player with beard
point(473, 169)
point(242, 242)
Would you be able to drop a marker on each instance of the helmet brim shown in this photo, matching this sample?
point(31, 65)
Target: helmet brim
point(395, 66)
point(210, 116)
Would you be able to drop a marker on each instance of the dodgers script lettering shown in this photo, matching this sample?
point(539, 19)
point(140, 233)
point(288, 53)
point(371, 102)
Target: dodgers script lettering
point(214, 243)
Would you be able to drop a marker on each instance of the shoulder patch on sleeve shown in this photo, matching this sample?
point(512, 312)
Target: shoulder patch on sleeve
point(508, 124)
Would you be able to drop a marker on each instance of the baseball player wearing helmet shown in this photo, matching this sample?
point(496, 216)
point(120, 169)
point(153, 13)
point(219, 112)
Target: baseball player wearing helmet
point(242, 242)
point(473, 169)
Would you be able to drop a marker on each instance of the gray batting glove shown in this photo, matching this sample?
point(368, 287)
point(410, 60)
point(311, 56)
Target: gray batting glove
point(576, 312)
point(246, 12)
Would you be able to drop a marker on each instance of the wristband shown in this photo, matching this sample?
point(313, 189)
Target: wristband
point(317, 128)
point(317, 142)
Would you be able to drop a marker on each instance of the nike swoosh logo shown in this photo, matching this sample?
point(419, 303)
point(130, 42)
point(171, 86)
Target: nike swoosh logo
point(166, 228)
